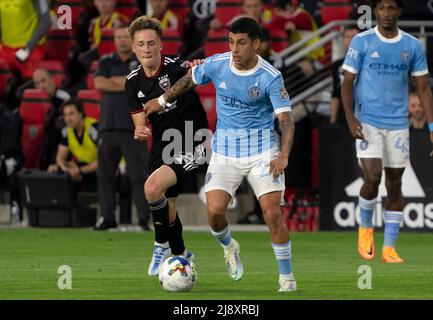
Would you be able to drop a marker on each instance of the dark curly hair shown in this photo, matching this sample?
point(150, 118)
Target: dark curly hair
point(374, 3)
point(145, 23)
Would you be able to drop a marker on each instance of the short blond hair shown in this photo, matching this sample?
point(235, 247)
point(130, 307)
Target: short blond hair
point(145, 23)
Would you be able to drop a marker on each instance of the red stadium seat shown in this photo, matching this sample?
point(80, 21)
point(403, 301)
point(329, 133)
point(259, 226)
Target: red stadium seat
point(279, 40)
point(335, 10)
point(180, 7)
point(172, 41)
point(216, 42)
point(59, 44)
point(33, 109)
point(76, 7)
point(208, 100)
point(91, 102)
point(56, 69)
point(226, 10)
point(127, 7)
point(107, 42)
point(91, 75)
point(6, 76)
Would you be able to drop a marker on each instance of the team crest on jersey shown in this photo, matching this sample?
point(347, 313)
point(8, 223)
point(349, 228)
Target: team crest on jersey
point(283, 93)
point(363, 145)
point(254, 92)
point(164, 82)
point(405, 56)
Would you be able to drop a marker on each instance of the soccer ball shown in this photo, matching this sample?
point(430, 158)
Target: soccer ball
point(177, 274)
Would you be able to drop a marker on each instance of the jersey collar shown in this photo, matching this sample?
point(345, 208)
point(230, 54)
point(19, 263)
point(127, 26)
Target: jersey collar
point(245, 72)
point(387, 40)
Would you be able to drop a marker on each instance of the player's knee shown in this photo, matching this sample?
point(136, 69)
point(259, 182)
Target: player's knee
point(153, 190)
point(272, 215)
point(373, 177)
point(393, 185)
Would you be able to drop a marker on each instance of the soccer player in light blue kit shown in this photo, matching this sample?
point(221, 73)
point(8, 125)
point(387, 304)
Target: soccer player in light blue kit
point(250, 93)
point(379, 62)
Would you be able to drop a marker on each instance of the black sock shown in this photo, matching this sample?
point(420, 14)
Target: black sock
point(175, 237)
point(159, 210)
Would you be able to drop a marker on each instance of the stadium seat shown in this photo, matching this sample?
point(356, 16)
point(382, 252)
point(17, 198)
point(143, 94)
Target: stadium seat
point(91, 75)
point(227, 9)
point(216, 42)
point(56, 69)
point(172, 41)
point(59, 44)
point(91, 102)
point(208, 100)
point(335, 10)
point(107, 42)
point(180, 7)
point(127, 7)
point(33, 109)
point(6, 76)
point(279, 40)
point(76, 8)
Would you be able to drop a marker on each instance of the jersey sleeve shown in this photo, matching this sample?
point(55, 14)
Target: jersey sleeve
point(134, 103)
point(201, 73)
point(64, 137)
point(354, 56)
point(419, 62)
point(278, 95)
point(93, 133)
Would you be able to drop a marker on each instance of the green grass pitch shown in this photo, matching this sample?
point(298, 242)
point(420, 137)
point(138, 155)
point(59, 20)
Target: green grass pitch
point(113, 265)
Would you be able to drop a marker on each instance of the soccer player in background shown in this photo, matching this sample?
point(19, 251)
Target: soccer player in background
point(250, 93)
point(150, 80)
point(378, 64)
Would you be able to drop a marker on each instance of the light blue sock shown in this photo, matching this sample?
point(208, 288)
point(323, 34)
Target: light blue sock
point(392, 227)
point(366, 208)
point(283, 253)
point(224, 236)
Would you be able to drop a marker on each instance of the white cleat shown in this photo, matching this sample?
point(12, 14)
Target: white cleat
point(287, 284)
point(158, 258)
point(233, 261)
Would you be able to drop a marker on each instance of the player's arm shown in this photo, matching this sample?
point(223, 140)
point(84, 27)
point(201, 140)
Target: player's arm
point(141, 131)
point(286, 125)
point(355, 126)
point(181, 86)
point(425, 95)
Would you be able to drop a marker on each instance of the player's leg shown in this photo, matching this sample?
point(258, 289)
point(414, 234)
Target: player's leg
point(154, 188)
point(271, 208)
point(269, 192)
point(223, 177)
point(175, 237)
point(370, 153)
point(393, 214)
point(396, 159)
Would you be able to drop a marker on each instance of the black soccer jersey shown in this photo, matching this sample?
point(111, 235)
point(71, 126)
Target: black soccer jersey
point(186, 107)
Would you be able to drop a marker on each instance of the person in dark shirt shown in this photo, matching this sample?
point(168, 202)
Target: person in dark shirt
point(116, 131)
point(169, 169)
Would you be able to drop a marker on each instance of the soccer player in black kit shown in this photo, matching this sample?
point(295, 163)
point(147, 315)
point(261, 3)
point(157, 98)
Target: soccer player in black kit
point(168, 170)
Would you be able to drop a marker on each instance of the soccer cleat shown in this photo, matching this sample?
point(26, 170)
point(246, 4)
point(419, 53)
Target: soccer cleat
point(189, 256)
point(366, 243)
point(287, 283)
point(389, 255)
point(158, 258)
point(233, 261)
point(104, 224)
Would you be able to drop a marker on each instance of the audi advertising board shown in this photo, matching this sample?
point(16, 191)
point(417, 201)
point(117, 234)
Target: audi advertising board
point(341, 180)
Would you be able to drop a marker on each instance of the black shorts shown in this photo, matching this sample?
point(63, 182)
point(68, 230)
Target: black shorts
point(185, 165)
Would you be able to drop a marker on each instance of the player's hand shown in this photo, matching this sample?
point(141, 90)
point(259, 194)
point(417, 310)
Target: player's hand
point(22, 54)
point(141, 133)
point(152, 106)
point(355, 128)
point(277, 166)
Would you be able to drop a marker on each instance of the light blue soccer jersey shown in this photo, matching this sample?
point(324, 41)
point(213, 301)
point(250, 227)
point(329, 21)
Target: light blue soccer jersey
point(383, 67)
point(246, 104)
